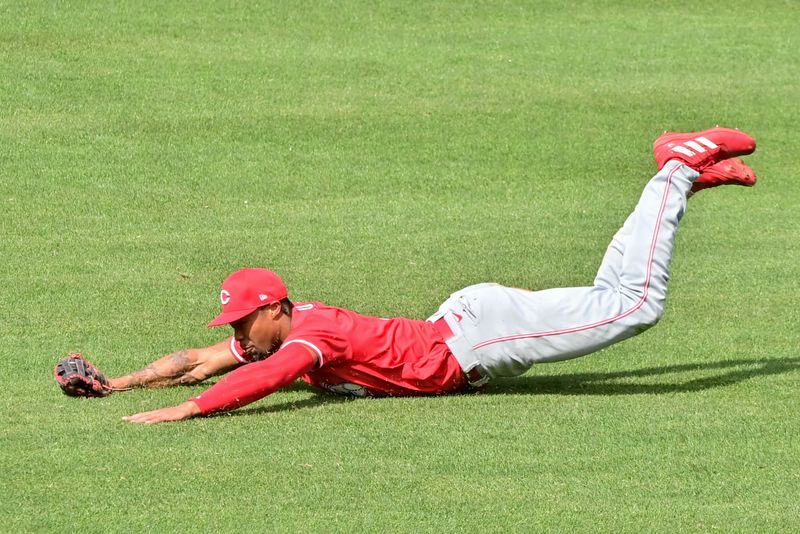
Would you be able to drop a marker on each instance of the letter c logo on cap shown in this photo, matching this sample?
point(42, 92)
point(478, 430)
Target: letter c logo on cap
point(224, 297)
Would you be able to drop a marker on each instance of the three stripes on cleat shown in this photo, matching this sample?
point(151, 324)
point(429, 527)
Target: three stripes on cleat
point(690, 148)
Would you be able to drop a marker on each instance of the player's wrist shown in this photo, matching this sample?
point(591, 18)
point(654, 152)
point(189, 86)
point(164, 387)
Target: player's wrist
point(119, 384)
point(191, 409)
point(197, 407)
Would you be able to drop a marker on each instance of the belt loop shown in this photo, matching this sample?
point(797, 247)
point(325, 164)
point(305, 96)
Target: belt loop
point(474, 372)
point(444, 330)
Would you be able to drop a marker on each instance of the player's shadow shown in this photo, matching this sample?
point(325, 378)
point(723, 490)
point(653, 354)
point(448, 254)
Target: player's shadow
point(699, 377)
point(318, 399)
point(630, 382)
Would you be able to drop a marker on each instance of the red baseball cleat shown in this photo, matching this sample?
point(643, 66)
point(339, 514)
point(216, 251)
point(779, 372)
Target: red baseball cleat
point(702, 149)
point(726, 172)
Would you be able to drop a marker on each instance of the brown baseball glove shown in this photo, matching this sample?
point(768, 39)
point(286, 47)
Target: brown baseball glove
point(79, 378)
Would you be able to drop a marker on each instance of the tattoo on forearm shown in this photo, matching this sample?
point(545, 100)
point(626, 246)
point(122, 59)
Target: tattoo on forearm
point(170, 370)
point(180, 359)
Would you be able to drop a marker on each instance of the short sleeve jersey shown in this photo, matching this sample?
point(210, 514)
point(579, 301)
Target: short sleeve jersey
point(370, 356)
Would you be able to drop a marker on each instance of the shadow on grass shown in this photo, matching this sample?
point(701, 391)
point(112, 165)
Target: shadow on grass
point(318, 399)
point(716, 374)
point(722, 374)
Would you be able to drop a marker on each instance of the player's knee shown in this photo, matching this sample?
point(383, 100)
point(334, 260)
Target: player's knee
point(649, 308)
point(650, 313)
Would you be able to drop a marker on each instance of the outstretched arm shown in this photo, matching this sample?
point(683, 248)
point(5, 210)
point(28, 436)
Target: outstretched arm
point(243, 386)
point(185, 367)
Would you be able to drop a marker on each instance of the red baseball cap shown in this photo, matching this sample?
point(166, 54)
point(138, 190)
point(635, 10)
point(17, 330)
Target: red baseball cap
point(246, 290)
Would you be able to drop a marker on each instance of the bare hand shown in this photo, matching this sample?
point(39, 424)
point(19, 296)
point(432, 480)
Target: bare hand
point(175, 413)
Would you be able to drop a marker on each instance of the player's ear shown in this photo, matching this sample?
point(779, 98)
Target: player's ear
point(274, 310)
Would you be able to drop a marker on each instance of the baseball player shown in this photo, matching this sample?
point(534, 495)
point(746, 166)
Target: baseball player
point(479, 333)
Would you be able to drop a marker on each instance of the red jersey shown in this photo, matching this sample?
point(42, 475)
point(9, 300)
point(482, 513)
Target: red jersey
point(355, 355)
point(369, 356)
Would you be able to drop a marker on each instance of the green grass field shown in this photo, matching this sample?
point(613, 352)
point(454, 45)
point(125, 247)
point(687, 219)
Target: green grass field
point(380, 156)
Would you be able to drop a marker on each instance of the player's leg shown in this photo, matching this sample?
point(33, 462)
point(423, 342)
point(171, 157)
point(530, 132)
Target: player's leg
point(694, 149)
point(611, 266)
point(507, 330)
point(510, 329)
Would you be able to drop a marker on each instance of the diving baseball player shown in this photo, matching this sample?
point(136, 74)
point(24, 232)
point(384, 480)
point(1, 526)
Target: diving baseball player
point(479, 333)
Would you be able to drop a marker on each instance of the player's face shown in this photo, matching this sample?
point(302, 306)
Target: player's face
point(259, 332)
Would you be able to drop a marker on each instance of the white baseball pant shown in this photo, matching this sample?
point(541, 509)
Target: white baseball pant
point(501, 331)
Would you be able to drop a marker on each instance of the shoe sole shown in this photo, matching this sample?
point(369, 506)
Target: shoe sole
point(735, 172)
